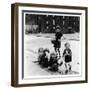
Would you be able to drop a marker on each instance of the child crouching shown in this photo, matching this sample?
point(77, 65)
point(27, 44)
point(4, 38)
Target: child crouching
point(53, 62)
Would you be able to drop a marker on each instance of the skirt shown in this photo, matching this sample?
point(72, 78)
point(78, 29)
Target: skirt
point(68, 58)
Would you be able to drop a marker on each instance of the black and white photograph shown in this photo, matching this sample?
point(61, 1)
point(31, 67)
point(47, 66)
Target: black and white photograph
point(50, 44)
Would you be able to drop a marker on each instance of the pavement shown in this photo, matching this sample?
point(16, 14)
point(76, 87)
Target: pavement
point(31, 44)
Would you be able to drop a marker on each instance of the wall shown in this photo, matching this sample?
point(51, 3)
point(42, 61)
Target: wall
point(5, 44)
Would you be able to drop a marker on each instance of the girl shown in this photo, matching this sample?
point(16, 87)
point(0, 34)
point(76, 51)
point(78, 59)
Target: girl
point(53, 62)
point(57, 41)
point(44, 58)
point(67, 54)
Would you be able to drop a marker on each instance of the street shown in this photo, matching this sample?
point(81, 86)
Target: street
point(31, 44)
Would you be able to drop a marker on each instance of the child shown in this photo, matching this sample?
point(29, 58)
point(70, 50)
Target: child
point(57, 42)
point(44, 58)
point(61, 66)
point(67, 54)
point(40, 53)
point(57, 45)
point(58, 33)
point(53, 62)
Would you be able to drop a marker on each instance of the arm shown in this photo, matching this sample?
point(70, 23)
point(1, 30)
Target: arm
point(64, 53)
point(70, 53)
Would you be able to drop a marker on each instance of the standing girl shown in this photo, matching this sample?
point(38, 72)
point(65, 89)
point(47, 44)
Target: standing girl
point(67, 54)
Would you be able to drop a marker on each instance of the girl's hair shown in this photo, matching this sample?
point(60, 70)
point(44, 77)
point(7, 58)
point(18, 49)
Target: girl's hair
point(66, 44)
point(46, 50)
point(52, 54)
point(58, 27)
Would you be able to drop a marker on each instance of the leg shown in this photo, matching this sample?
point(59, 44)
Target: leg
point(56, 52)
point(55, 49)
point(69, 66)
point(66, 65)
point(59, 52)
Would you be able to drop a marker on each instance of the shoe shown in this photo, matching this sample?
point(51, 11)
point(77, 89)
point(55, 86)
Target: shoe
point(66, 71)
point(70, 68)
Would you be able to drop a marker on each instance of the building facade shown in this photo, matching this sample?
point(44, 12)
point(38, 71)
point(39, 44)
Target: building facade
point(48, 23)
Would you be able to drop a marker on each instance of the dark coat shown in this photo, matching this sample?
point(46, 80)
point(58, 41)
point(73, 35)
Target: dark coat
point(56, 43)
point(58, 35)
point(52, 61)
point(68, 57)
point(53, 64)
point(43, 61)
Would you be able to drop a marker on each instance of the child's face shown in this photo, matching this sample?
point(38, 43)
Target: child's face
point(67, 46)
point(57, 30)
point(53, 56)
point(46, 53)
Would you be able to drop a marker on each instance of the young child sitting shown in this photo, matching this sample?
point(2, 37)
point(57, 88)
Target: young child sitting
point(67, 54)
point(53, 62)
point(43, 58)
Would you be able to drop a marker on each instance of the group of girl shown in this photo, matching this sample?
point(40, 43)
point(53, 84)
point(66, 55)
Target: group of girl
point(53, 61)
